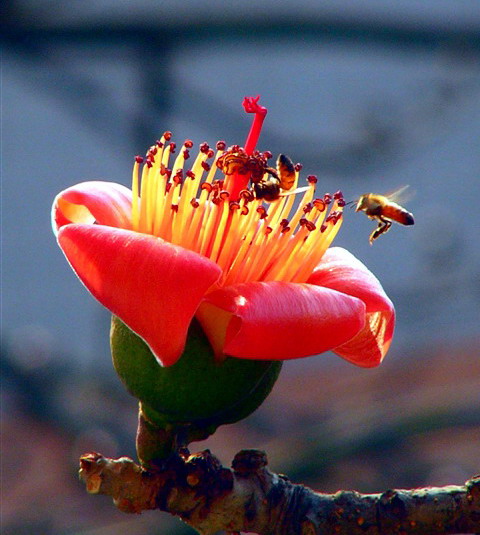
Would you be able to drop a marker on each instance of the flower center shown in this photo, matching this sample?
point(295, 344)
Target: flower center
point(223, 218)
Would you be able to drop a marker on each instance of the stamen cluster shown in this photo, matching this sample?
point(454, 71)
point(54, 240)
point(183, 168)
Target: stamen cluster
point(251, 240)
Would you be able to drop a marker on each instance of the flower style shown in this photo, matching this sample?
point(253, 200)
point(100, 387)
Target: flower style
point(260, 277)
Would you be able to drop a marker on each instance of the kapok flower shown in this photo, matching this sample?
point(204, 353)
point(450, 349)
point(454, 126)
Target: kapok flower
point(185, 242)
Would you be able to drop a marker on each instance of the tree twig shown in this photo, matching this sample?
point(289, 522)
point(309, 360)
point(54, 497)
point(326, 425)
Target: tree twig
point(248, 497)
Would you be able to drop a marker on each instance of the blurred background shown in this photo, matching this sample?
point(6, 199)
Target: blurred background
point(369, 95)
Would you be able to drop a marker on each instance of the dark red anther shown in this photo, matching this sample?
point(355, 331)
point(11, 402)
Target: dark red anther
point(167, 135)
point(139, 159)
point(168, 187)
point(234, 148)
point(333, 217)
point(262, 212)
point(285, 229)
point(178, 178)
point(173, 146)
point(149, 162)
point(284, 223)
point(224, 195)
point(341, 202)
point(338, 195)
point(165, 171)
point(307, 208)
point(190, 174)
point(302, 222)
point(221, 145)
point(216, 200)
point(234, 205)
point(267, 155)
point(268, 230)
point(245, 210)
point(312, 179)
point(195, 203)
point(327, 198)
point(210, 153)
point(153, 150)
point(246, 195)
point(298, 167)
point(186, 154)
point(159, 144)
point(206, 166)
point(206, 186)
point(319, 204)
point(310, 226)
point(174, 207)
point(188, 143)
point(204, 147)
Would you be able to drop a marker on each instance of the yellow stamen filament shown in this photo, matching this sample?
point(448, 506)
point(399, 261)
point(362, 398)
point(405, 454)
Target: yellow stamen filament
point(135, 192)
point(251, 240)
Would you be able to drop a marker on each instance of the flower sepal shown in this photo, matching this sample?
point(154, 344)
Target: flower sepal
point(187, 401)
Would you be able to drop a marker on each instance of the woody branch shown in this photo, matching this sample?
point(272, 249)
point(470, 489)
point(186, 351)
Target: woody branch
point(248, 497)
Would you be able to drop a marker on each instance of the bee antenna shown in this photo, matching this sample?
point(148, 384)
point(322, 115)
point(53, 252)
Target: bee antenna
point(350, 203)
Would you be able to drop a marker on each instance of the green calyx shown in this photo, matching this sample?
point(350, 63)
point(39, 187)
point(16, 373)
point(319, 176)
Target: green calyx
point(195, 393)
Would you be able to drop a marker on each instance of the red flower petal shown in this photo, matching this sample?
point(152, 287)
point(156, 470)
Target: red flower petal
point(106, 203)
point(153, 286)
point(279, 320)
point(341, 271)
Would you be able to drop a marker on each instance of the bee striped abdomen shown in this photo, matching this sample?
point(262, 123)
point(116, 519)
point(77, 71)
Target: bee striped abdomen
point(396, 213)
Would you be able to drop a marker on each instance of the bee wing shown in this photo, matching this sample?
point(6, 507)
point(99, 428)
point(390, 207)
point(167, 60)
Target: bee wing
point(294, 191)
point(401, 195)
point(286, 172)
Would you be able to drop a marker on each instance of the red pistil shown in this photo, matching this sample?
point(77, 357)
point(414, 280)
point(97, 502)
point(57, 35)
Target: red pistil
point(239, 182)
point(251, 105)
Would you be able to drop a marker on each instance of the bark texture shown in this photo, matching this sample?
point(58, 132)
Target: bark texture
point(248, 497)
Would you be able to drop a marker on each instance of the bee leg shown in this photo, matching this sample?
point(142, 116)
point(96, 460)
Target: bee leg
point(383, 226)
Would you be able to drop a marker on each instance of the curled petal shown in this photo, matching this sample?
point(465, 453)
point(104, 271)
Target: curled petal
point(105, 203)
point(279, 320)
point(340, 270)
point(154, 287)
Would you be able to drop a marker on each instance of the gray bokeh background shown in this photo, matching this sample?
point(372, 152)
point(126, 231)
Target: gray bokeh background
point(369, 95)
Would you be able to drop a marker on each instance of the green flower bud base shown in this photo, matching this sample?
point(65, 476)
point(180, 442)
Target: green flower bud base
point(189, 400)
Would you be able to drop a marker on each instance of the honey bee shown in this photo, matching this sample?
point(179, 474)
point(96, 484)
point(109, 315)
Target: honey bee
point(270, 186)
point(384, 210)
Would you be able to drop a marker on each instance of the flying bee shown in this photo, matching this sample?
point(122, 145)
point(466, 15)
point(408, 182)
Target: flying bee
point(384, 209)
point(274, 182)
